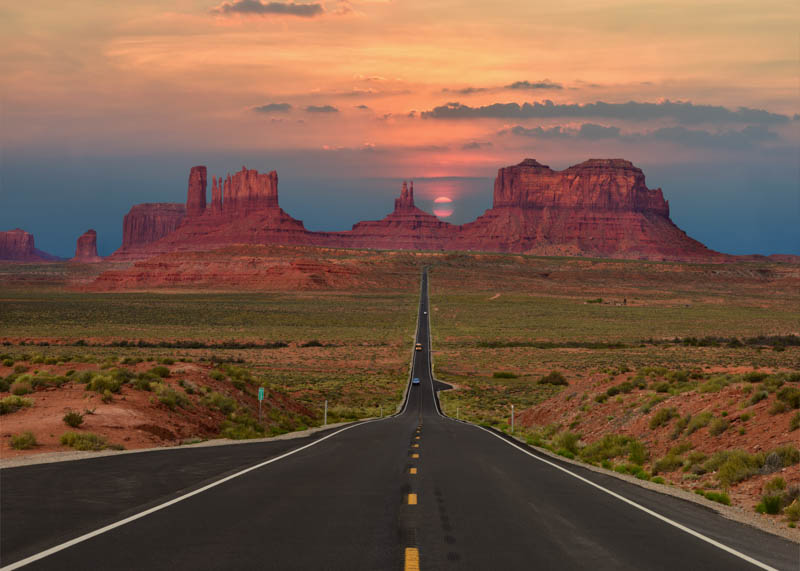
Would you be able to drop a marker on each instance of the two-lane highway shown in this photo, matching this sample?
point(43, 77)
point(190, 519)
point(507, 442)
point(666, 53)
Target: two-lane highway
point(417, 490)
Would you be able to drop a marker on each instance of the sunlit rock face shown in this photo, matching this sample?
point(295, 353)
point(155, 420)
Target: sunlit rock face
point(18, 245)
point(601, 207)
point(86, 248)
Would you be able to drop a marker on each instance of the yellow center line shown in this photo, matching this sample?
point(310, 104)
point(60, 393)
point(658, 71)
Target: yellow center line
point(416, 445)
point(412, 499)
point(412, 470)
point(417, 437)
point(412, 559)
point(415, 455)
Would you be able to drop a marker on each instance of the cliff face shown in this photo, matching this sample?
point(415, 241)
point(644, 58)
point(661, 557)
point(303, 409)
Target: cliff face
point(18, 245)
point(196, 196)
point(597, 184)
point(601, 207)
point(86, 248)
point(146, 223)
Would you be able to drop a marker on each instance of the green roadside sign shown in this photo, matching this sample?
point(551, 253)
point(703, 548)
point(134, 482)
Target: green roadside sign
point(260, 394)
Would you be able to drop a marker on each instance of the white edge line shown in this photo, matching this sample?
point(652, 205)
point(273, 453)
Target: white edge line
point(648, 511)
point(111, 526)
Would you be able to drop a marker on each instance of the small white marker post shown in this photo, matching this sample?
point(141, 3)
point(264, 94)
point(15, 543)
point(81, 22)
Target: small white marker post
point(325, 419)
point(260, 398)
point(512, 419)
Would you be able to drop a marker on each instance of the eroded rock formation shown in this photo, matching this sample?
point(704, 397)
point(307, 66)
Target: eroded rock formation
point(86, 248)
point(601, 207)
point(147, 223)
point(18, 245)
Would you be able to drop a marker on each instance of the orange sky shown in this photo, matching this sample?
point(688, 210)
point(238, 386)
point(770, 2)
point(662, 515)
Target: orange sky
point(142, 76)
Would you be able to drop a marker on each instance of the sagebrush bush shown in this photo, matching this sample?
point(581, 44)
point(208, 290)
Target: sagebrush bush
point(698, 421)
point(219, 402)
point(504, 375)
point(23, 441)
point(83, 441)
point(568, 441)
point(719, 426)
point(13, 403)
point(668, 463)
point(662, 417)
point(553, 378)
point(170, 397)
point(21, 387)
point(73, 418)
point(790, 396)
point(160, 371)
point(794, 423)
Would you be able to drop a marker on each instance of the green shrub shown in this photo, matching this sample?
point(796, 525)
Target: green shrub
point(719, 497)
point(23, 441)
point(13, 403)
point(715, 384)
point(170, 397)
point(754, 376)
point(680, 426)
point(776, 484)
point(217, 375)
point(661, 387)
point(73, 418)
point(21, 387)
point(637, 452)
point(167, 361)
point(240, 426)
point(698, 421)
point(160, 371)
point(757, 397)
point(794, 423)
point(83, 441)
point(777, 407)
point(662, 417)
point(790, 396)
point(504, 375)
point(219, 402)
point(102, 383)
point(733, 466)
point(719, 426)
point(651, 403)
point(553, 378)
point(8, 362)
point(769, 505)
point(792, 512)
point(668, 463)
point(658, 480)
point(568, 441)
point(788, 454)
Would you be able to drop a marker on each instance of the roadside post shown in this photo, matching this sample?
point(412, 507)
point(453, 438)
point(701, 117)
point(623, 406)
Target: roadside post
point(325, 418)
point(260, 398)
point(512, 419)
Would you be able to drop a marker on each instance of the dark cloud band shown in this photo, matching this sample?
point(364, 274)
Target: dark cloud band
point(273, 108)
point(259, 8)
point(631, 111)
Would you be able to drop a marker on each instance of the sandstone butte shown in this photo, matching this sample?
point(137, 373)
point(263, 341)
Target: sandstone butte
point(601, 207)
point(86, 248)
point(18, 245)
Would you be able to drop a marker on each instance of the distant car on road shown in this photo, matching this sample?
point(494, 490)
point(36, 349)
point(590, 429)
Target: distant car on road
point(415, 381)
point(418, 347)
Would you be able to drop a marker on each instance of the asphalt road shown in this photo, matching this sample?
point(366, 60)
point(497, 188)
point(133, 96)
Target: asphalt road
point(416, 488)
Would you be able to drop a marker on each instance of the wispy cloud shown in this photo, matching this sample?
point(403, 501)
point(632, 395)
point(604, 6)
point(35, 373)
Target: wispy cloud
point(322, 109)
point(748, 137)
point(259, 8)
point(273, 108)
point(682, 112)
point(527, 85)
point(475, 145)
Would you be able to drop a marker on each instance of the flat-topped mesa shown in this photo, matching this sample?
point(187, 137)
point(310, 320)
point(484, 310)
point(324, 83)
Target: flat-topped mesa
point(149, 222)
point(597, 184)
point(196, 194)
point(18, 245)
point(86, 248)
point(249, 190)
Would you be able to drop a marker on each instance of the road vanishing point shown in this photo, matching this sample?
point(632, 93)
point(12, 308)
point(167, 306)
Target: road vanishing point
point(417, 490)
